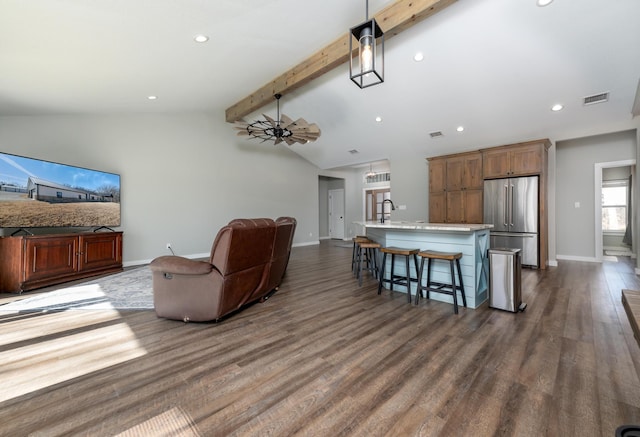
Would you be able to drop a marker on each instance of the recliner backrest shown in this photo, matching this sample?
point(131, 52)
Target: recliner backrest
point(242, 253)
point(285, 229)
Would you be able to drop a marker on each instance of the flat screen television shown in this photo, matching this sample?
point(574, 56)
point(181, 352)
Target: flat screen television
point(41, 194)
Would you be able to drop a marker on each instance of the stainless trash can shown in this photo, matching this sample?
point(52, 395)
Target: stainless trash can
point(505, 272)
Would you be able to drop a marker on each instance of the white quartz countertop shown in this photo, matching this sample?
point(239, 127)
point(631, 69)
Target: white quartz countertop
point(422, 226)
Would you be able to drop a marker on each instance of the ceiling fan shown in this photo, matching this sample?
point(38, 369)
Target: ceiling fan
point(280, 129)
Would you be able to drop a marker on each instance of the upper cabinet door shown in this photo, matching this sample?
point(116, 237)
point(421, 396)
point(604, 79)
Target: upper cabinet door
point(464, 172)
point(526, 160)
point(437, 175)
point(516, 160)
point(455, 173)
point(473, 179)
point(496, 164)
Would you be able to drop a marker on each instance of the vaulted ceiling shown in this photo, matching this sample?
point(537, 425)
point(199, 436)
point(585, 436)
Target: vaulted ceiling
point(494, 67)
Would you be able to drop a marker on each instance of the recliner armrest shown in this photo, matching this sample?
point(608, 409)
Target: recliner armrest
point(180, 266)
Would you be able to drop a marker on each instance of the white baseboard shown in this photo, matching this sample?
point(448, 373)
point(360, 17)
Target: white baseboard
point(552, 263)
point(306, 243)
point(578, 258)
point(142, 262)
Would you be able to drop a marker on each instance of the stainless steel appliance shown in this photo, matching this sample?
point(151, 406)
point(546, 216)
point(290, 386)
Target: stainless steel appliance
point(505, 280)
point(511, 205)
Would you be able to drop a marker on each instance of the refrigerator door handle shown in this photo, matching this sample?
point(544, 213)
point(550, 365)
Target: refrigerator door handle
point(511, 204)
point(506, 206)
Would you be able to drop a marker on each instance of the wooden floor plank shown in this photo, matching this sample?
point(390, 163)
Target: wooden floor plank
point(326, 357)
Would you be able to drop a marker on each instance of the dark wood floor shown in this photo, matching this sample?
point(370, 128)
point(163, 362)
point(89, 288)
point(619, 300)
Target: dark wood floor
point(324, 357)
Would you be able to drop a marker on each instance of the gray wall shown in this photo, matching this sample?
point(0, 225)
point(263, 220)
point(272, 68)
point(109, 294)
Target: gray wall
point(183, 176)
point(575, 182)
point(410, 187)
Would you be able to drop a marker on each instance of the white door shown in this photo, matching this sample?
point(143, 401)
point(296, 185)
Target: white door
point(336, 214)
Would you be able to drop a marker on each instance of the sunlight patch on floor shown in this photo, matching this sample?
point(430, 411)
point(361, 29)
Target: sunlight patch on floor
point(173, 422)
point(64, 357)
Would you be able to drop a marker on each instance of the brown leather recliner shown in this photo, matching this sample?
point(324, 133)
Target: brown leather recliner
point(285, 228)
point(239, 271)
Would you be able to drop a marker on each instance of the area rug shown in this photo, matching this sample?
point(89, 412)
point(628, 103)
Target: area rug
point(129, 290)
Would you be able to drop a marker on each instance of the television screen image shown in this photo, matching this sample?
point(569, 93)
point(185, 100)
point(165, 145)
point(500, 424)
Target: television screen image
point(42, 194)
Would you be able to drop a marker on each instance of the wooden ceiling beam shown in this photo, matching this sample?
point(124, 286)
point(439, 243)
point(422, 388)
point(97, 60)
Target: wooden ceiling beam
point(393, 19)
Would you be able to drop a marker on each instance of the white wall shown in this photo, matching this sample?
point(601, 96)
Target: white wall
point(183, 176)
point(575, 163)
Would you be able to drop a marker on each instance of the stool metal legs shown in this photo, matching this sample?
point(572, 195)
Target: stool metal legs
point(438, 287)
point(397, 279)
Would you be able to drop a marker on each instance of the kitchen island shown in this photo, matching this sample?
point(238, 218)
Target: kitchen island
point(472, 240)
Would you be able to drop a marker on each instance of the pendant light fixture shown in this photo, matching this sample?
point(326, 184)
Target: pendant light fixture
point(370, 173)
point(366, 66)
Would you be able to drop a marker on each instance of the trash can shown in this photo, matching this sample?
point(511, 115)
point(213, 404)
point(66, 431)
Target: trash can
point(505, 272)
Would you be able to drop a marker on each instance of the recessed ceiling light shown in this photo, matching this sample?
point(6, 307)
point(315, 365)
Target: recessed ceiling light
point(152, 97)
point(543, 3)
point(557, 107)
point(201, 38)
point(460, 128)
point(378, 119)
point(418, 57)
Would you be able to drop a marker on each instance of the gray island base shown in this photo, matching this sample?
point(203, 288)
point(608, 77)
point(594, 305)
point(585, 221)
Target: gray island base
point(472, 240)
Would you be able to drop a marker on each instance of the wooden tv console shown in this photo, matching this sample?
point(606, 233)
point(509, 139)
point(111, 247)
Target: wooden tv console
point(33, 261)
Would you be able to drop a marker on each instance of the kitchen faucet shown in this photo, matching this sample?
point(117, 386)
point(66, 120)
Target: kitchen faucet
point(393, 208)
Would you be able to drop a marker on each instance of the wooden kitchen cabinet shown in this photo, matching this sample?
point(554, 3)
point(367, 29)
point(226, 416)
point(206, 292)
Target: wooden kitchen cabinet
point(437, 175)
point(522, 159)
point(459, 199)
point(455, 188)
point(464, 206)
point(464, 172)
point(33, 261)
point(438, 207)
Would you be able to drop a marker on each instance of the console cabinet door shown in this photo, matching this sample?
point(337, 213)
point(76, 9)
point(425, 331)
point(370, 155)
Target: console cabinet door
point(50, 257)
point(100, 250)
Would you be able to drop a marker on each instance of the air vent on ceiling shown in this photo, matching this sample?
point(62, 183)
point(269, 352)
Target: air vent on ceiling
point(436, 134)
point(353, 151)
point(596, 98)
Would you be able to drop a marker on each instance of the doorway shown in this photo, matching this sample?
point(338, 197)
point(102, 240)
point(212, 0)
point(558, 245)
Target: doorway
point(614, 209)
point(336, 214)
point(375, 207)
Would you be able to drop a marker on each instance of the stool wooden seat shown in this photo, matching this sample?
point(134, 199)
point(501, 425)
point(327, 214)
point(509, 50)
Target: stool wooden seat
point(369, 257)
point(398, 279)
point(451, 289)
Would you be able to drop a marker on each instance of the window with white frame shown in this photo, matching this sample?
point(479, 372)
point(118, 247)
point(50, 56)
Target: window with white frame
point(614, 205)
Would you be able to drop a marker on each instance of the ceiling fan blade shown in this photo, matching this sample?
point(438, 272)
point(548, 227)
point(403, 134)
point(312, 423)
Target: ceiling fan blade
point(286, 121)
point(278, 141)
point(270, 120)
point(302, 122)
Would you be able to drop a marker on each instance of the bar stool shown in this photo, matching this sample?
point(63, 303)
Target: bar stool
point(368, 256)
point(439, 286)
point(355, 253)
point(398, 279)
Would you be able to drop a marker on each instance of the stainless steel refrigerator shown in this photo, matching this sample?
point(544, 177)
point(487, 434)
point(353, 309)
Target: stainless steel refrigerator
point(511, 205)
